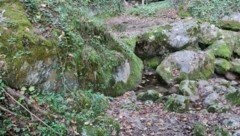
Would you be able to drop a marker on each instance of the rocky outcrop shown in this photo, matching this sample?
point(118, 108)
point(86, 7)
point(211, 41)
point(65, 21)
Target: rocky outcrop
point(186, 65)
point(32, 60)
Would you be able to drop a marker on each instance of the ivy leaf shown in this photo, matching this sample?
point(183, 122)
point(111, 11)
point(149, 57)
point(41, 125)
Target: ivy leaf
point(31, 88)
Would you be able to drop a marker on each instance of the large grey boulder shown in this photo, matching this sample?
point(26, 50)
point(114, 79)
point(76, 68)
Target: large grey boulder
point(208, 33)
point(186, 64)
point(169, 38)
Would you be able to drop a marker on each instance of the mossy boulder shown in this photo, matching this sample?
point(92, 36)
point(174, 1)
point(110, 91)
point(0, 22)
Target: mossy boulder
point(169, 38)
point(208, 33)
point(235, 65)
point(231, 22)
point(230, 25)
point(234, 97)
point(177, 103)
point(221, 49)
point(102, 64)
point(152, 95)
point(185, 64)
point(199, 130)
point(222, 65)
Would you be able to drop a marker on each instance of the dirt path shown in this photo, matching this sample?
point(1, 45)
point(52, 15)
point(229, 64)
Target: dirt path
point(129, 26)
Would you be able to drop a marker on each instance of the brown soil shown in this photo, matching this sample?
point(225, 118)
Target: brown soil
point(129, 25)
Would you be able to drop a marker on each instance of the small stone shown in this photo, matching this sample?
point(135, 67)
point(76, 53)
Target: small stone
point(230, 76)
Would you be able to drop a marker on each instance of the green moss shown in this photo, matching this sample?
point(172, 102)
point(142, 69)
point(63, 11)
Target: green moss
point(219, 131)
point(183, 13)
point(177, 103)
point(222, 65)
point(234, 97)
point(101, 126)
point(235, 65)
point(199, 130)
point(149, 95)
point(221, 49)
point(152, 63)
point(229, 25)
point(218, 107)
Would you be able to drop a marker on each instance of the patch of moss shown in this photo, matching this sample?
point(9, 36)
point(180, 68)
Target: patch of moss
point(199, 130)
point(235, 65)
point(221, 49)
point(131, 42)
point(234, 97)
point(230, 25)
point(222, 65)
point(177, 103)
point(152, 62)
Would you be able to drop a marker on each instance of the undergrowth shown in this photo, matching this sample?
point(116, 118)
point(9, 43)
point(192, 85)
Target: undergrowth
point(70, 112)
point(212, 10)
point(149, 9)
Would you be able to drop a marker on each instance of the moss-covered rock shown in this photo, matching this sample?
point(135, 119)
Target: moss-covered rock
point(208, 33)
point(102, 63)
point(235, 65)
point(229, 25)
point(222, 65)
point(177, 103)
point(183, 65)
point(221, 49)
point(152, 44)
point(230, 22)
point(149, 95)
point(199, 130)
point(218, 107)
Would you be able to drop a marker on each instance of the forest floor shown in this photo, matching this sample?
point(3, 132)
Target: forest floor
point(139, 118)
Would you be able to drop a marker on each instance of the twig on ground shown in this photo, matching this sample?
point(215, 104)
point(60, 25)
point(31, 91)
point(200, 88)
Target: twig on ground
point(6, 110)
